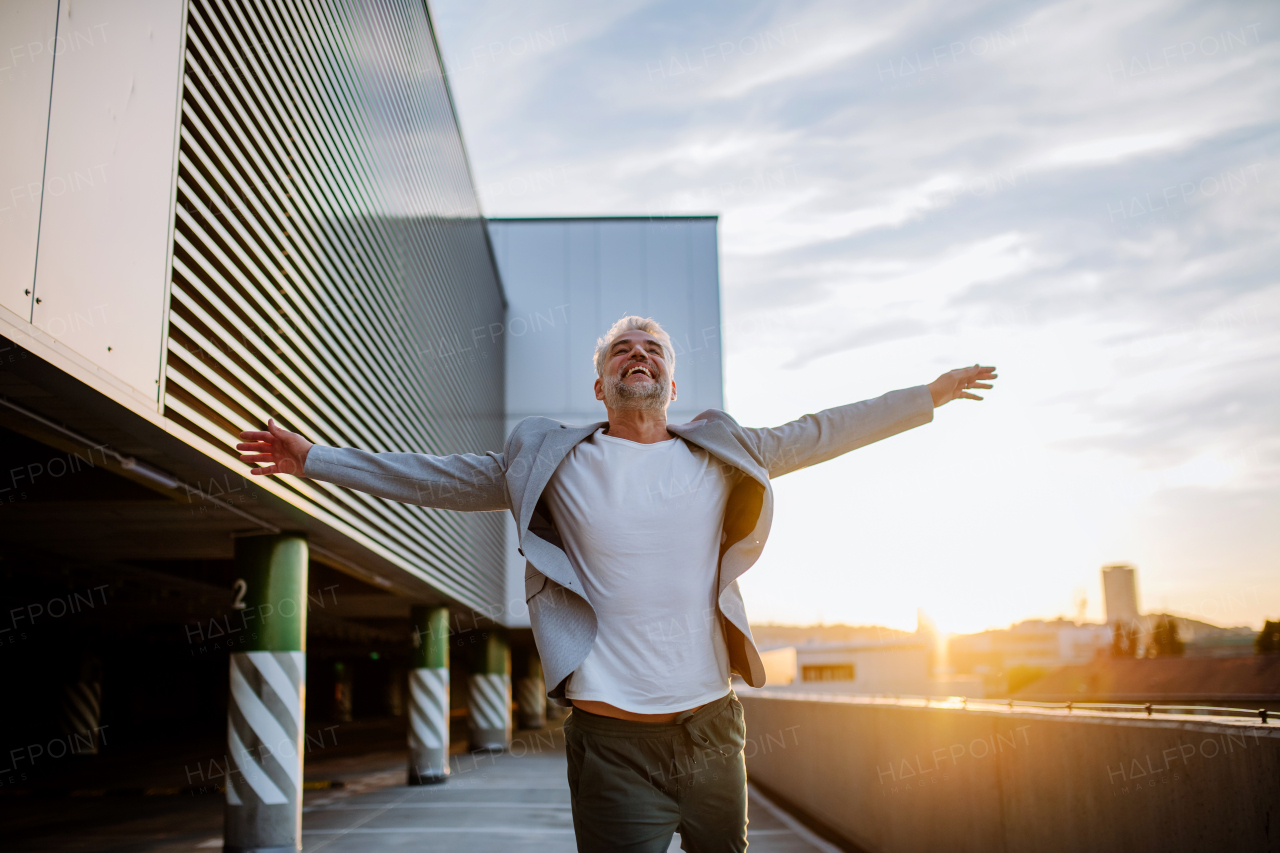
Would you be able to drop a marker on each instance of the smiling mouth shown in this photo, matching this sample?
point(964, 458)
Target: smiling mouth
point(639, 368)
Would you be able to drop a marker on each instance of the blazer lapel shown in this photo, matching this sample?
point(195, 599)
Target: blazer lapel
point(715, 438)
point(556, 444)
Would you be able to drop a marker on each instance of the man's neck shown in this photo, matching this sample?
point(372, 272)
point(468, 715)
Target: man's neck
point(643, 426)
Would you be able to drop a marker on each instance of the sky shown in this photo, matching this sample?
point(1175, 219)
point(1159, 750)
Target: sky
point(1084, 195)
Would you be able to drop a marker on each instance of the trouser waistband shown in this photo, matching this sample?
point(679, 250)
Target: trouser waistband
point(614, 727)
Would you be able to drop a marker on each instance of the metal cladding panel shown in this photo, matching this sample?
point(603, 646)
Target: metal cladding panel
point(108, 184)
point(584, 297)
point(543, 346)
point(568, 280)
point(702, 340)
point(26, 76)
point(669, 292)
point(331, 268)
point(620, 258)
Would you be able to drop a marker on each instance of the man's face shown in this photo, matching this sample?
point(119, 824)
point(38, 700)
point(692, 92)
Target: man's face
point(635, 374)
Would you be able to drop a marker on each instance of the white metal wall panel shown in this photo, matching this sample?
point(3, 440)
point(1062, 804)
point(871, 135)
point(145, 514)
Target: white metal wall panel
point(583, 310)
point(669, 290)
point(108, 183)
point(621, 258)
point(26, 75)
point(543, 282)
point(703, 336)
point(588, 273)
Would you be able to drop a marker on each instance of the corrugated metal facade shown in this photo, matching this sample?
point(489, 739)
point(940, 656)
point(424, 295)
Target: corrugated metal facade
point(330, 264)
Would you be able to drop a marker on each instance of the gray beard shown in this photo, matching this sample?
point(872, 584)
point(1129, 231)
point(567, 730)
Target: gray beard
point(619, 396)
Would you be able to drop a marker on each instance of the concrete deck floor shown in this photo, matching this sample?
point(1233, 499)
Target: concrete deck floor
point(508, 802)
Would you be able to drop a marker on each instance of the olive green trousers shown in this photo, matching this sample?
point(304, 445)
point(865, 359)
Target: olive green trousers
point(633, 784)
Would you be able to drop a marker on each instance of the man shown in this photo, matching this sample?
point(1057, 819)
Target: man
point(635, 532)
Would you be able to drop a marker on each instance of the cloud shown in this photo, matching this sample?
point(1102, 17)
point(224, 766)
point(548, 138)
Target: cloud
point(1112, 149)
point(833, 48)
point(868, 335)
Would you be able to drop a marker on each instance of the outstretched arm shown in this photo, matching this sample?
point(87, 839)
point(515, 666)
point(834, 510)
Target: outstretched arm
point(464, 481)
point(832, 432)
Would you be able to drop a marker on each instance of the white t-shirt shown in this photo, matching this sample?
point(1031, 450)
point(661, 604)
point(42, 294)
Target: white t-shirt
point(642, 525)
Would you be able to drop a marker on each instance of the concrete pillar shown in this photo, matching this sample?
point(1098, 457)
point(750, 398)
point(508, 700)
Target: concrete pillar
point(489, 692)
point(531, 695)
point(429, 697)
point(265, 714)
point(81, 707)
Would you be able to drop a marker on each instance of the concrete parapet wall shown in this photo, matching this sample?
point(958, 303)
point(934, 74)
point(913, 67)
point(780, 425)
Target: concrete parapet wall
point(898, 779)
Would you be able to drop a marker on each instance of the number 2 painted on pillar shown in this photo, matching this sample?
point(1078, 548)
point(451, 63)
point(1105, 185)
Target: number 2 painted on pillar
point(241, 588)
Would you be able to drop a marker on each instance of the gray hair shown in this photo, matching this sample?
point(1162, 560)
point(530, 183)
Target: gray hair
point(635, 324)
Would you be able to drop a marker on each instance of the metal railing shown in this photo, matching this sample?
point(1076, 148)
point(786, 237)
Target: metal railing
point(962, 703)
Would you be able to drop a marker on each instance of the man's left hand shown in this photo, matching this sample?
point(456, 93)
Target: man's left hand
point(954, 384)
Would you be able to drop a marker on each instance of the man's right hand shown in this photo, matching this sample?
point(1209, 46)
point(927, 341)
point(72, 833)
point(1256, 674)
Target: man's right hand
point(277, 450)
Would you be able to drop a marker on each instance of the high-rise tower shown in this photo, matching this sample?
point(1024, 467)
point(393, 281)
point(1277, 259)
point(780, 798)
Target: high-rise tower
point(1120, 593)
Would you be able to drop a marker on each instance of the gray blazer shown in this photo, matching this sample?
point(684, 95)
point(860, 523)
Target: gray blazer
point(563, 620)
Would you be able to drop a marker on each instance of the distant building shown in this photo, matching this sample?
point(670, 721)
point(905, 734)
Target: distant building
point(779, 666)
point(1034, 646)
point(770, 636)
point(900, 668)
point(1238, 682)
point(1036, 642)
point(1120, 592)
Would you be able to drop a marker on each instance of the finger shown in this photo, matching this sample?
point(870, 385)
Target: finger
point(256, 435)
point(267, 471)
point(258, 446)
point(981, 385)
point(275, 429)
point(967, 396)
point(256, 458)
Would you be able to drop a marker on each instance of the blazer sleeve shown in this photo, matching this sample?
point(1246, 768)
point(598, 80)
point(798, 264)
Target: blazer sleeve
point(466, 481)
point(832, 432)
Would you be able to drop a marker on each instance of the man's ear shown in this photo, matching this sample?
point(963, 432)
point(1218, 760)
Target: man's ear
point(673, 390)
point(599, 389)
